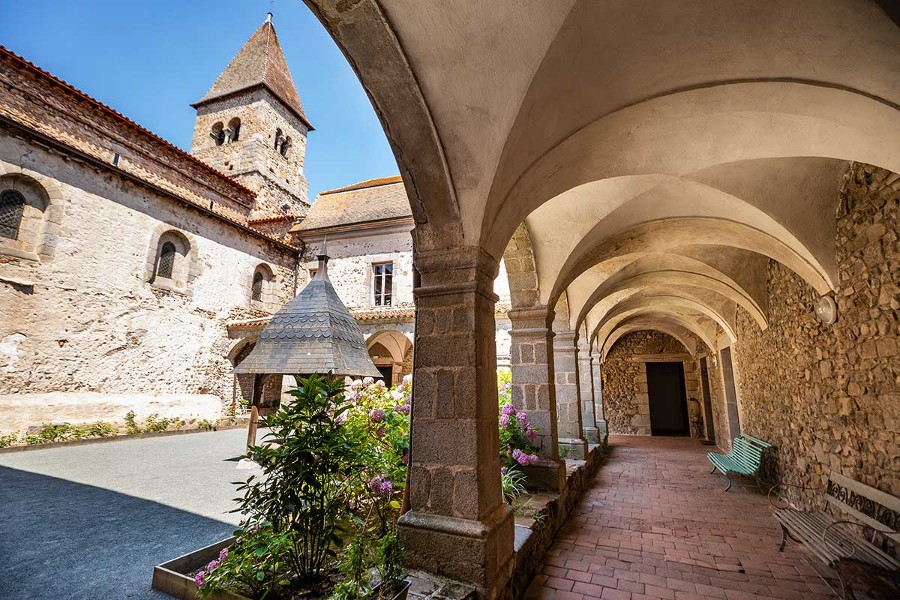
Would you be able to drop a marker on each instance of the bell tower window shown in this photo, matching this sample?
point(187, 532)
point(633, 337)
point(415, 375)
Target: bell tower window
point(233, 133)
point(217, 133)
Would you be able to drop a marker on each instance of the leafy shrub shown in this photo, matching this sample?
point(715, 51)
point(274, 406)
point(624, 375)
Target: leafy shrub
point(512, 482)
point(131, 425)
point(8, 440)
point(254, 566)
point(390, 564)
point(207, 425)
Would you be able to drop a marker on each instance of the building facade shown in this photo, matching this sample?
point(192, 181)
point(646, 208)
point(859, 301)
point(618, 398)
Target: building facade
point(122, 258)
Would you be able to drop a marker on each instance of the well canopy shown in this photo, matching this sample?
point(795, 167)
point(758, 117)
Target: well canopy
point(313, 333)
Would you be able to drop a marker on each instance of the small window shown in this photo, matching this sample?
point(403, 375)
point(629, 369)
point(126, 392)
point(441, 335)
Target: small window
point(257, 289)
point(312, 273)
point(279, 139)
point(12, 203)
point(383, 280)
point(285, 146)
point(233, 133)
point(217, 133)
point(166, 261)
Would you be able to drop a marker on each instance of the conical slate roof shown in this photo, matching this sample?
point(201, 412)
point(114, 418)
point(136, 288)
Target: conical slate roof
point(313, 333)
point(260, 63)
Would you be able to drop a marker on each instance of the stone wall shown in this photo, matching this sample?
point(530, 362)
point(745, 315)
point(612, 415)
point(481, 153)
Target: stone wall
point(84, 317)
point(827, 395)
point(625, 400)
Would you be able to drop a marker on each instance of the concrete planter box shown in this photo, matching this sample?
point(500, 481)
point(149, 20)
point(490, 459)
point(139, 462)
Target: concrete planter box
point(174, 577)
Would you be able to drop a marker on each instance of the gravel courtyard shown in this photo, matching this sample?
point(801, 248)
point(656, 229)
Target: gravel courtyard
point(91, 521)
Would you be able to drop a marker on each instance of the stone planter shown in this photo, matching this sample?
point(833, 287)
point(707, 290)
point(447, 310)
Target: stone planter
point(401, 595)
point(174, 577)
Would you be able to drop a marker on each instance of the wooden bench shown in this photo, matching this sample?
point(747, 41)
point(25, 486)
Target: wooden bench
point(835, 540)
point(744, 458)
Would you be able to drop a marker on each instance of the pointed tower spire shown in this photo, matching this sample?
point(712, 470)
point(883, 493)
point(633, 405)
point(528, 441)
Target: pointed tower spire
point(259, 63)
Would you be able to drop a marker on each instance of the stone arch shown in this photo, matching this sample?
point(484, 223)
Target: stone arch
point(389, 348)
point(261, 286)
point(648, 317)
point(43, 214)
point(679, 332)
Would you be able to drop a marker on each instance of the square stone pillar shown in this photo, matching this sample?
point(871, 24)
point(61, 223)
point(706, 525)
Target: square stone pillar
point(586, 393)
point(458, 524)
point(568, 403)
point(533, 391)
point(602, 428)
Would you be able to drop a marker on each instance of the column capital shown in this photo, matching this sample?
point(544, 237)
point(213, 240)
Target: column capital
point(534, 320)
point(467, 269)
point(565, 341)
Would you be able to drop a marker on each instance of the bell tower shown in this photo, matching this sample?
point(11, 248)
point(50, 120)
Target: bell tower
point(251, 126)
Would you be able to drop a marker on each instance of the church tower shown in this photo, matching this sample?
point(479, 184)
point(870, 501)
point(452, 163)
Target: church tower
point(251, 126)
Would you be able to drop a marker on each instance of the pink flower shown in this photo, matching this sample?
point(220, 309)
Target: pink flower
point(198, 578)
point(376, 415)
point(531, 434)
point(341, 417)
point(211, 566)
point(522, 417)
point(504, 421)
point(508, 409)
point(524, 459)
point(403, 409)
point(223, 554)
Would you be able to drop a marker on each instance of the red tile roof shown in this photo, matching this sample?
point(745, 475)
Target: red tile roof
point(367, 201)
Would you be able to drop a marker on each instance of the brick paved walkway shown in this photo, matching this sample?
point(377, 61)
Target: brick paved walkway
point(656, 524)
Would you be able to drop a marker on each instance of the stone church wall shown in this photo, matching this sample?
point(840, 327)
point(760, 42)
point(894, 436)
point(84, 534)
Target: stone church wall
point(86, 319)
point(624, 372)
point(827, 395)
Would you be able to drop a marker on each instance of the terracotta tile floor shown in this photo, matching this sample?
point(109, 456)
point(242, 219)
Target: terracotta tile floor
point(656, 524)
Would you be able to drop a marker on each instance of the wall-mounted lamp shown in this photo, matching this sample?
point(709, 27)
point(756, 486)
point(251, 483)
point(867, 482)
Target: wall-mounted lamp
point(826, 310)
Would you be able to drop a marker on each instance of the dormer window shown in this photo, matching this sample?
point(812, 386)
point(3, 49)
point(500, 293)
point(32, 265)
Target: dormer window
point(217, 133)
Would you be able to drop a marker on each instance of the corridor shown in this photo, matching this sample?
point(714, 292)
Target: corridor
point(656, 524)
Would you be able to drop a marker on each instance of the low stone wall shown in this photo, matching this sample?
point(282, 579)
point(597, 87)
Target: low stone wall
point(20, 411)
point(827, 395)
point(534, 537)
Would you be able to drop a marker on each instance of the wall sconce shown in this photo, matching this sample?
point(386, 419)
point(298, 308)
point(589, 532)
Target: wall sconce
point(826, 310)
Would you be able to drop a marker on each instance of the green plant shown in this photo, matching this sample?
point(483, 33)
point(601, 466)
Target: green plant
point(8, 440)
point(354, 566)
point(255, 565)
point(512, 482)
point(522, 506)
point(131, 425)
point(99, 429)
point(207, 425)
point(389, 553)
point(563, 452)
point(309, 478)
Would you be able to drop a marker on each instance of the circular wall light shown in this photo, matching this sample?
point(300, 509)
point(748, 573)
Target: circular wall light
point(826, 310)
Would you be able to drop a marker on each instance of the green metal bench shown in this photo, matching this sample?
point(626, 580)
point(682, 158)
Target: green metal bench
point(744, 458)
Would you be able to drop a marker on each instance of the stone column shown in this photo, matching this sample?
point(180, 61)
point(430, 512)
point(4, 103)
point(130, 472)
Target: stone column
point(586, 392)
point(458, 525)
point(531, 361)
point(602, 428)
point(568, 404)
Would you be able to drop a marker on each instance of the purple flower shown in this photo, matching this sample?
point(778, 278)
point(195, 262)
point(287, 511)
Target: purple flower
point(381, 486)
point(212, 566)
point(508, 409)
point(522, 417)
point(524, 459)
point(223, 554)
point(380, 432)
point(341, 417)
point(403, 409)
point(376, 415)
point(531, 434)
point(504, 421)
point(368, 381)
point(503, 470)
point(198, 578)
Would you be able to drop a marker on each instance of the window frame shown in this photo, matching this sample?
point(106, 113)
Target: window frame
point(256, 288)
point(18, 214)
point(168, 244)
point(380, 290)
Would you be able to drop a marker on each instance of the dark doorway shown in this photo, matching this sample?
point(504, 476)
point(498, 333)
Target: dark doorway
point(387, 373)
point(707, 402)
point(668, 405)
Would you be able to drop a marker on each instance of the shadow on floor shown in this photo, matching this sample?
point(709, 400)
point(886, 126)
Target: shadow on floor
point(60, 539)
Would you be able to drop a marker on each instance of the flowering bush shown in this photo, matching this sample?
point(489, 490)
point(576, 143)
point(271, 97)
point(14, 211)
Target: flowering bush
point(516, 433)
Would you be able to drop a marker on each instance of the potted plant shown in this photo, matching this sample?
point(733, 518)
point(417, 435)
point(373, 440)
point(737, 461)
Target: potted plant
point(389, 553)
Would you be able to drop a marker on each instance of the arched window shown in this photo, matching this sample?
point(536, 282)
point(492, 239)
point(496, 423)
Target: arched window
point(12, 204)
point(166, 263)
point(279, 139)
point(285, 146)
point(257, 289)
point(217, 133)
point(234, 130)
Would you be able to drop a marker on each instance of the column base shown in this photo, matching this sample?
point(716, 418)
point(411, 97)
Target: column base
point(478, 552)
point(574, 448)
point(591, 435)
point(603, 430)
point(545, 476)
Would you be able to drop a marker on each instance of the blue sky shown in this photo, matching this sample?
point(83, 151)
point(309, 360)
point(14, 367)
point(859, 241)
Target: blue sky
point(150, 59)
